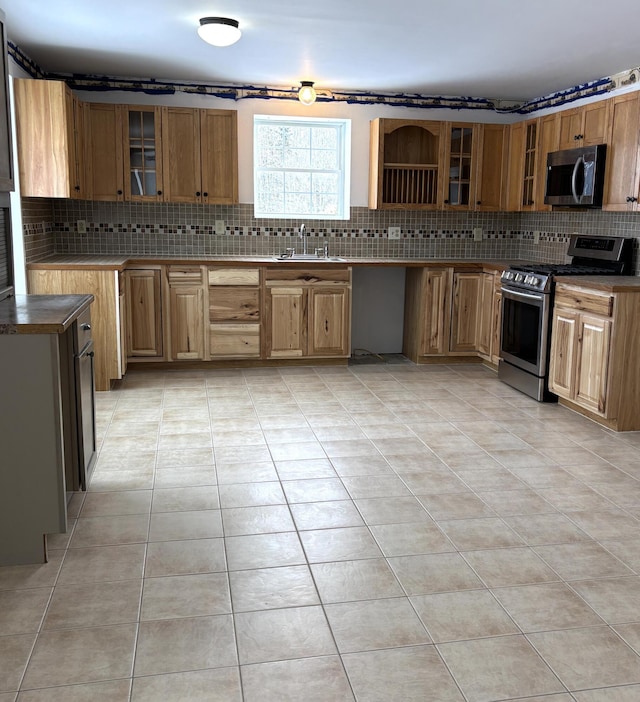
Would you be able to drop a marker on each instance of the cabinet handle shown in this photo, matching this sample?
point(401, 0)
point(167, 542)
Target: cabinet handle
point(576, 137)
point(580, 136)
point(632, 199)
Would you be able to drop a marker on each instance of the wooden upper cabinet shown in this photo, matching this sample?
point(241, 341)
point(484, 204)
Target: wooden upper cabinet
point(219, 156)
point(142, 153)
point(461, 144)
point(491, 166)
point(200, 155)
point(523, 164)
point(584, 126)
point(548, 139)
point(622, 174)
point(103, 147)
point(49, 131)
point(515, 166)
point(405, 166)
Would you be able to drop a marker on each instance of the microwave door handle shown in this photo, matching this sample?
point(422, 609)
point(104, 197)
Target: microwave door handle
point(574, 178)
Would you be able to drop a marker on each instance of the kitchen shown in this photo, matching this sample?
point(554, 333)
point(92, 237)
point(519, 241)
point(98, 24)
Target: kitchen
point(404, 514)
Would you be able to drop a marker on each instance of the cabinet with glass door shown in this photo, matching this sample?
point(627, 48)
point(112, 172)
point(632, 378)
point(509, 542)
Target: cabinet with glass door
point(142, 153)
point(461, 145)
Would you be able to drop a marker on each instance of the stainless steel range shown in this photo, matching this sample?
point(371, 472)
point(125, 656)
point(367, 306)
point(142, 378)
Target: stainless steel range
point(527, 300)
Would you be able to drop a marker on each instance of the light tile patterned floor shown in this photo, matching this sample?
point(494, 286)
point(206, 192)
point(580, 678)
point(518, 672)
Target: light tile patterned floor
point(379, 532)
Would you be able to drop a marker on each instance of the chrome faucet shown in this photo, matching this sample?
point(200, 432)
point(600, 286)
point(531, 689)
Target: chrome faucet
point(304, 240)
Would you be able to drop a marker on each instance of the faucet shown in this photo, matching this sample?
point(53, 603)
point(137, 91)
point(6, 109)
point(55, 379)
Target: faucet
point(304, 240)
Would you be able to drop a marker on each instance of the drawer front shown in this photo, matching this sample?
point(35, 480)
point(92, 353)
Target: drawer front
point(282, 277)
point(187, 275)
point(234, 276)
point(234, 340)
point(234, 304)
point(584, 300)
point(83, 330)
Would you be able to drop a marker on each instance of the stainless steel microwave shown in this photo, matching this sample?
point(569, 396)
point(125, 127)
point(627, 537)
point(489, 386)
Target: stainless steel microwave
point(575, 177)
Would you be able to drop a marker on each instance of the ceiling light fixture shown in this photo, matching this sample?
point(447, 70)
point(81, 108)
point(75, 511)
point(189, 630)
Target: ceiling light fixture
point(219, 31)
point(306, 94)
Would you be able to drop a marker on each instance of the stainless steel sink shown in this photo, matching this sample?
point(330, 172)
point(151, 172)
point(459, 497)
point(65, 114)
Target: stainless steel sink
point(311, 258)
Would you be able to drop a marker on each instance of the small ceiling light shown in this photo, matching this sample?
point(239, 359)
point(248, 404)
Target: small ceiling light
point(219, 31)
point(306, 94)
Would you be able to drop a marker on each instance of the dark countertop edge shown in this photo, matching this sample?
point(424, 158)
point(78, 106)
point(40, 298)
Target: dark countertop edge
point(63, 262)
point(606, 283)
point(25, 314)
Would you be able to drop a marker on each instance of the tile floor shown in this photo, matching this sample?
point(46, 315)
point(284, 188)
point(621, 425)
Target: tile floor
point(377, 532)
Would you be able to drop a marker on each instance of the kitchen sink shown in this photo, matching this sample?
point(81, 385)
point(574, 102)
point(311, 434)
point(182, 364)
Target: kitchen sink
point(293, 258)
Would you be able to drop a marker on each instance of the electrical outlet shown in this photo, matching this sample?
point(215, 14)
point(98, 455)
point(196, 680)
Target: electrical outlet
point(81, 226)
point(477, 233)
point(220, 226)
point(536, 237)
point(393, 232)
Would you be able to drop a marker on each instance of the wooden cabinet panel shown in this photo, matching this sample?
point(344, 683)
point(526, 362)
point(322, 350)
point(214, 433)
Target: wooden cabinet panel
point(562, 358)
point(219, 156)
point(103, 138)
point(592, 362)
point(234, 340)
point(234, 276)
point(571, 125)
point(328, 322)
point(584, 126)
point(286, 316)
point(144, 313)
point(486, 315)
point(181, 153)
point(187, 322)
point(622, 175)
point(464, 311)
point(549, 135)
point(516, 166)
point(48, 120)
point(492, 167)
point(142, 153)
point(437, 312)
point(229, 303)
point(497, 326)
point(461, 146)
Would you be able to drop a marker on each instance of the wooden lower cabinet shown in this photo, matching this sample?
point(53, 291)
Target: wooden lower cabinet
point(186, 312)
point(593, 366)
point(144, 313)
point(307, 313)
point(485, 315)
point(103, 284)
point(465, 307)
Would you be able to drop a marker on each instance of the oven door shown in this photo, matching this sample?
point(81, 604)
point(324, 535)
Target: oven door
point(525, 330)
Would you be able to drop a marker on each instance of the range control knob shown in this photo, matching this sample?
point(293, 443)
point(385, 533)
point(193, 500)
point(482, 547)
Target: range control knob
point(519, 277)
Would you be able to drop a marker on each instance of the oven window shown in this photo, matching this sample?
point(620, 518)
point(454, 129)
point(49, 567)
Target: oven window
point(521, 330)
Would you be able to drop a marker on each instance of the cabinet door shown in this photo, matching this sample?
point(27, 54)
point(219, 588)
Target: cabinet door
point(571, 125)
point(77, 111)
point(328, 322)
point(181, 154)
point(142, 154)
point(497, 326)
point(461, 145)
point(592, 362)
point(219, 156)
point(286, 320)
point(187, 322)
point(464, 311)
point(516, 166)
point(485, 314)
point(437, 306)
point(492, 168)
point(529, 194)
point(144, 313)
point(549, 135)
point(595, 123)
point(103, 148)
point(622, 174)
point(562, 357)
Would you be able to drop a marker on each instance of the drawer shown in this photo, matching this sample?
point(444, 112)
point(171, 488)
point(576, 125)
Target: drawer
point(188, 275)
point(83, 330)
point(234, 340)
point(584, 300)
point(234, 276)
point(283, 277)
point(234, 304)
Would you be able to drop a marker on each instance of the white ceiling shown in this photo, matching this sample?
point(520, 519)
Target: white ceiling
point(506, 49)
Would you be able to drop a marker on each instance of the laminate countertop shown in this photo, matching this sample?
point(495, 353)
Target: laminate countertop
point(119, 263)
point(41, 314)
point(605, 283)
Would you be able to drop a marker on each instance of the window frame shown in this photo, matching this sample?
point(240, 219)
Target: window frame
point(343, 152)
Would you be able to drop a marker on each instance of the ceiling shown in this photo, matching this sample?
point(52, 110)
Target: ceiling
point(500, 49)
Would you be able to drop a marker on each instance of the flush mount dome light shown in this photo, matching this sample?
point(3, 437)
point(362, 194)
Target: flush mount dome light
point(306, 94)
point(219, 31)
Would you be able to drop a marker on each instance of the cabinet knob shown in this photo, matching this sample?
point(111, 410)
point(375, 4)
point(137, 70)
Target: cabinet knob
point(197, 193)
point(632, 199)
point(119, 192)
point(205, 194)
point(86, 327)
point(478, 202)
point(576, 137)
point(76, 188)
point(446, 202)
point(159, 192)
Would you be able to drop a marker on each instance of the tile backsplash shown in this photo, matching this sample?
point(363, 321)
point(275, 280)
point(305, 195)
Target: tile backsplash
point(50, 226)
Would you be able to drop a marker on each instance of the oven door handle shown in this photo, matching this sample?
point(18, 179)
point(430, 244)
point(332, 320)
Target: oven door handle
point(517, 293)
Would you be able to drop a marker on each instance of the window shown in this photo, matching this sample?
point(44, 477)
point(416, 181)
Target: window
point(301, 167)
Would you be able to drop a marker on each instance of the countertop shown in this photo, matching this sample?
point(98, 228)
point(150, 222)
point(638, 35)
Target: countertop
point(606, 283)
point(41, 314)
point(119, 263)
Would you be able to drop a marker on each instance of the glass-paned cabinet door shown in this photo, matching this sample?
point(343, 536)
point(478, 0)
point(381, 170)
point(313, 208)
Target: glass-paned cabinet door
point(459, 172)
point(529, 173)
point(143, 172)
